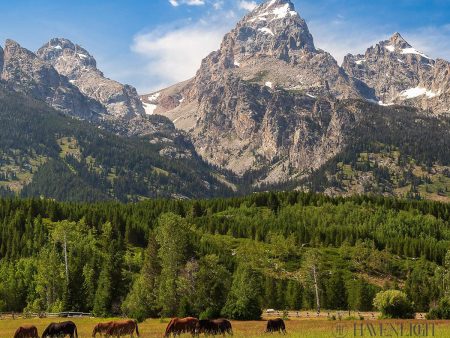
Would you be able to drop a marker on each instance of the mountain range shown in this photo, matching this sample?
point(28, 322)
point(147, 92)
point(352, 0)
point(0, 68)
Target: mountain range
point(268, 110)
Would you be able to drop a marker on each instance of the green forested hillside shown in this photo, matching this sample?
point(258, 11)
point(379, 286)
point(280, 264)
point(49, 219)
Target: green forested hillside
point(44, 153)
point(394, 151)
point(228, 257)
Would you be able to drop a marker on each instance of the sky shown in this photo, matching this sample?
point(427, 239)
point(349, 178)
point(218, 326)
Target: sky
point(152, 44)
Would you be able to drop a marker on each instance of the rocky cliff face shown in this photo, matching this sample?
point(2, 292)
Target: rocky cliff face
point(66, 77)
point(23, 71)
point(400, 74)
point(74, 62)
point(265, 100)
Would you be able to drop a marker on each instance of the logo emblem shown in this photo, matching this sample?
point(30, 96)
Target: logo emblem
point(340, 331)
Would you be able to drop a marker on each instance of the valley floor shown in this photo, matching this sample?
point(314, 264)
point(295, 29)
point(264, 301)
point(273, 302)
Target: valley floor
point(301, 328)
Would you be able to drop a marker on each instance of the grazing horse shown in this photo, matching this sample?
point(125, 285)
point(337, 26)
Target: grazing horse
point(122, 328)
point(100, 328)
point(276, 325)
point(26, 331)
point(178, 326)
point(61, 329)
point(215, 326)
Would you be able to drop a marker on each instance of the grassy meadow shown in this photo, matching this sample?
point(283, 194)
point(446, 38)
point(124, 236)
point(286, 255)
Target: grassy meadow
point(301, 328)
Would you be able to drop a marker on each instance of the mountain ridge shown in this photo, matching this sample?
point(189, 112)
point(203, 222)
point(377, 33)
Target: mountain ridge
point(267, 110)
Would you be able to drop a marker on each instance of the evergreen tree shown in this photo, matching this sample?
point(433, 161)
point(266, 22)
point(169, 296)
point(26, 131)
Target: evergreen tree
point(244, 298)
point(172, 235)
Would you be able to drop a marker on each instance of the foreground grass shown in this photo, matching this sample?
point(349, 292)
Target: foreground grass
point(297, 328)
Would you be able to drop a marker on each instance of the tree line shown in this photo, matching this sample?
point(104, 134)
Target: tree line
point(225, 256)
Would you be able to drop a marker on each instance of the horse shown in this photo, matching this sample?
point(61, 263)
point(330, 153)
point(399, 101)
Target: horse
point(122, 328)
point(215, 326)
point(100, 328)
point(275, 325)
point(177, 326)
point(26, 331)
point(61, 329)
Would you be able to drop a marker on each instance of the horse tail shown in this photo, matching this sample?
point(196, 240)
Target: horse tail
point(76, 332)
point(136, 325)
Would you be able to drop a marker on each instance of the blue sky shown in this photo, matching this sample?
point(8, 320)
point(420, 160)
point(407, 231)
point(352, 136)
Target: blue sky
point(153, 43)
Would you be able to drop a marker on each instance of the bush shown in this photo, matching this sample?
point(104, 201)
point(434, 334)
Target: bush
point(393, 304)
point(442, 311)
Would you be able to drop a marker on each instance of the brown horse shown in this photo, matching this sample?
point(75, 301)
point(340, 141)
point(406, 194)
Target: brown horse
point(178, 326)
point(61, 330)
point(122, 328)
point(215, 326)
point(100, 328)
point(26, 331)
point(275, 325)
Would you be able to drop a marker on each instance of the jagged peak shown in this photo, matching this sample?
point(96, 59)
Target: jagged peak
point(58, 47)
point(273, 9)
point(397, 44)
point(10, 43)
point(13, 47)
point(397, 40)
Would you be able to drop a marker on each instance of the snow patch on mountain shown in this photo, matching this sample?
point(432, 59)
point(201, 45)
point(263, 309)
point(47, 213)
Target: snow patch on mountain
point(266, 30)
point(153, 97)
point(149, 108)
point(416, 92)
point(414, 51)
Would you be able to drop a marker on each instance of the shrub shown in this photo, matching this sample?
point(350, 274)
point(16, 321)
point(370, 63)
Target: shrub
point(442, 311)
point(393, 304)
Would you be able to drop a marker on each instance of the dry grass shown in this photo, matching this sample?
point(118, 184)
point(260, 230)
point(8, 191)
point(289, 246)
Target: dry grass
point(297, 328)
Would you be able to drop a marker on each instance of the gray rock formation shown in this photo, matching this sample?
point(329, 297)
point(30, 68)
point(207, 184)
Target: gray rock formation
point(23, 71)
point(400, 74)
point(265, 101)
point(74, 62)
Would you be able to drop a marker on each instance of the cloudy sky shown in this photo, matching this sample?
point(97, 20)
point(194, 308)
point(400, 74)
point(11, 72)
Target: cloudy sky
point(154, 43)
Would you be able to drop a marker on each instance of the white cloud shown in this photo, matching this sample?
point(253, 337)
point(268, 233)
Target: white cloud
point(176, 3)
point(218, 4)
point(175, 55)
point(247, 5)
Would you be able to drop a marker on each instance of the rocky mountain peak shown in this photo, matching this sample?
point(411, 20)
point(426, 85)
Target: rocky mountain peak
point(12, 48)
point(58, 47)
point(63, 53)
point(25, 72)
point(80, 67)
point(398, 41)
point(275, 29)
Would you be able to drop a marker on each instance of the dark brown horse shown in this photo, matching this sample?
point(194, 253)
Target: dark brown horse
point(276, 325)
point(100, 328)
point(215, 326)
point(61, 329)
point(26, 331)
point(122, 328)
point(178, 326)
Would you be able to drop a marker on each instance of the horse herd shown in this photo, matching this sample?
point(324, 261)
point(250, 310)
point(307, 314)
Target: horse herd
point(176, 326)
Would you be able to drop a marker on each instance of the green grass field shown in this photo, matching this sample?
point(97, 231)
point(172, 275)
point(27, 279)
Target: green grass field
point(304, 328)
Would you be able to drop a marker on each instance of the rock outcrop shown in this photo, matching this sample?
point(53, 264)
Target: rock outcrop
point(264, 101)
point(400, 74)
point(80, 67)
point(23, 71)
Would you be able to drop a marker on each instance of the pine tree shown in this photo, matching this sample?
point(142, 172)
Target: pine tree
point(172, 235)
